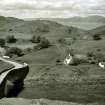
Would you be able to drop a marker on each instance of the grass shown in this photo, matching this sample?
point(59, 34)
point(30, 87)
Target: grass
point(84, 46)
point(62, 83)
point(82, 83)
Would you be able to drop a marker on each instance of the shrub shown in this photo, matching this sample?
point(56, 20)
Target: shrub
point(97, 37)
point(10, 30)
point(64, 41)
point(69, 30)
point(11, 39)
point(36, 39)
point(14, 51)
point(99, 57)
point(77, 61)
point(96, 57)
point(90, 54)
point(2, 42)
point(44, 43)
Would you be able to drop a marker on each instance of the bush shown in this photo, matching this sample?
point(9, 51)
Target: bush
point(77, 61)
point(44, 43)
point(97, 37)
point(14, 51)
point(10, 29)
point(99, 57)
point(11, 39)
point(36, 39)
point(62, 41)
point(90, 54)
point(96, 56)
point(2, 42)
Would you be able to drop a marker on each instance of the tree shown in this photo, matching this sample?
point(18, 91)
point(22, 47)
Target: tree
point(2, 42)
point(98, 56)
point(44, 43)
point(35, 39)
point(14, 51)
point(95, 57)
point(62, 40)
point(11, 39)
point(10, 30)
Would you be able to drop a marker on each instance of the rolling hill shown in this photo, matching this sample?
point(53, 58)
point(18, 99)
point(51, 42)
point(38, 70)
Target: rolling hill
point(86, 23)
point(92, 19)
point(45, 28)
point(6, 22)
point(99, 30)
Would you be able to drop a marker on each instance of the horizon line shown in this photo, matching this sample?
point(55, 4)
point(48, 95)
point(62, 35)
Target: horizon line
point(51, 17)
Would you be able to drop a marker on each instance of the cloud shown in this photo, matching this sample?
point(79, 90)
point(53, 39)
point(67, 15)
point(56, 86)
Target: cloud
point(39, 5)
point(51, 8)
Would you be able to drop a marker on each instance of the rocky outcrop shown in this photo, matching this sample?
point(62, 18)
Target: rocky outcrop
point(12, 78)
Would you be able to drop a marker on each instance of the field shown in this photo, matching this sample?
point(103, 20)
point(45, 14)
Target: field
point(83, 46)
point(60, 82)
point(48, 77)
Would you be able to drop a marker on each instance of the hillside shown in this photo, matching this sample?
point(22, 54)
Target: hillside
point(46, 28)
point(6, 22)
point(99, 30)
point(82, 83)
point(93, 19)
point(86, 23)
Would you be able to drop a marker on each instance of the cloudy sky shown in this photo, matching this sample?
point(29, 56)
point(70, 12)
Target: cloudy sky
point(51, 8)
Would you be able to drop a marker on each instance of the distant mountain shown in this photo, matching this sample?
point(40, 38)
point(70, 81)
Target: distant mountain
point(94, 18)
point(86, 23)
point(46, 28)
